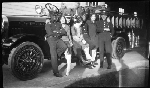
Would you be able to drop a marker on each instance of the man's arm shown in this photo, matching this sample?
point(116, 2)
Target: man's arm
point(49, 30)
point(111, 28)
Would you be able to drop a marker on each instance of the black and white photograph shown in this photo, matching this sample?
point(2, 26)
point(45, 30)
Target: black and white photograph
point(75, 44)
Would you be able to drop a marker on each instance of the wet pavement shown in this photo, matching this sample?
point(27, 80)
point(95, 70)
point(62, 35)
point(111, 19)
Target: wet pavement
point(131, 70)
point(135, 77)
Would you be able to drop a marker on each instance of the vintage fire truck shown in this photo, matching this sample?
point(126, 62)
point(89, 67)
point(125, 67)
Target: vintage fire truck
point(127, 28)
point(24, 47)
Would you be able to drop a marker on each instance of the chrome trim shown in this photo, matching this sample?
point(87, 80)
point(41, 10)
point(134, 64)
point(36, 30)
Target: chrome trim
point(2, 23)
point(5, 20)
point(7, 44)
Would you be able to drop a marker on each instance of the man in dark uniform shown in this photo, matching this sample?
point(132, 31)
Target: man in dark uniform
point(105, 31)
point(57, 46)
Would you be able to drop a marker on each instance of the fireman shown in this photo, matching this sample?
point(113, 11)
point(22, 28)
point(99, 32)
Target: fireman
point(105, 32)
point(54, 32)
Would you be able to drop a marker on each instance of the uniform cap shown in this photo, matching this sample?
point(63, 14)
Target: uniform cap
point(102, 10)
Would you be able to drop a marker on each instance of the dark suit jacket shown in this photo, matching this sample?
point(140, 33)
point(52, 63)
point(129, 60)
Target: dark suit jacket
point(50, 28)
point(101, 24)
point(87, 37)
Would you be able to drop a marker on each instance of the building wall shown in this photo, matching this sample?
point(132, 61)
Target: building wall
point(28, 8)
point(22, 8)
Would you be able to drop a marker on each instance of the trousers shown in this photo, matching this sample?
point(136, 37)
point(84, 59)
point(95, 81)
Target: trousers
point(57, 47)
point(104, 42)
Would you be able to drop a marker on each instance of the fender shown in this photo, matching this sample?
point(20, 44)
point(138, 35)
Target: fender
point(124, 35)
point(15, 40)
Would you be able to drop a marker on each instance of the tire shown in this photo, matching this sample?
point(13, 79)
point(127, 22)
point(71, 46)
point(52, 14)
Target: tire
point(22, 65)
point(119, 48)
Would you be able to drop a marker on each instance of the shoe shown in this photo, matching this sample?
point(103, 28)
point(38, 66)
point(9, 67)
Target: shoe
point(94, 63)
point(109, 67)
point(58, 75)
point(91, 67)
point(78, 63)
point(101, 66)
point(66, 74)
point(89, 64)
point(94, 66)
point(86, 62)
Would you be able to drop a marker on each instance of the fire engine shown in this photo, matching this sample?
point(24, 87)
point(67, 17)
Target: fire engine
point(24, 47)
point(127, 28)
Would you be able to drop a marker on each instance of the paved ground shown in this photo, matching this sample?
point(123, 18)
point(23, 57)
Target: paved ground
point(130, 63)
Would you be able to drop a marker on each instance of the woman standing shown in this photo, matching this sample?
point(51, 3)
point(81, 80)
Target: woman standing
point(68, 41)
point(91, 27)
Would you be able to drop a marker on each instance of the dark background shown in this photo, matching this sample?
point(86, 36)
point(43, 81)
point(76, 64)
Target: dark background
point(141, 7)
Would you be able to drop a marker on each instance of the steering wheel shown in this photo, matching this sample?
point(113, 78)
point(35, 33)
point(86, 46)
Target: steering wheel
point(48, 6)
point(55, 9)
point(51, 7)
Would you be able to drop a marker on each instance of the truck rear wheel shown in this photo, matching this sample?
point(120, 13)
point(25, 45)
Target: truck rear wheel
point(26, 61)
point(119, 46)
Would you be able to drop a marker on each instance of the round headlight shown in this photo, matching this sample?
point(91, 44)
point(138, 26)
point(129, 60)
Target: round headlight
point(38, 9)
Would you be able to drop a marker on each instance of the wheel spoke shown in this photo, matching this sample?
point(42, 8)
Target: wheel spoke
point(27, 61)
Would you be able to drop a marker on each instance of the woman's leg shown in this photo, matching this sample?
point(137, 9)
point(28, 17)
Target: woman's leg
point(86, 51)
point(93, 54)
point(68, 58)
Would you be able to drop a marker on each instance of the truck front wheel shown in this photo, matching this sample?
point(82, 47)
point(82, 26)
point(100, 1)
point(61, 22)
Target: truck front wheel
point(26, 61)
